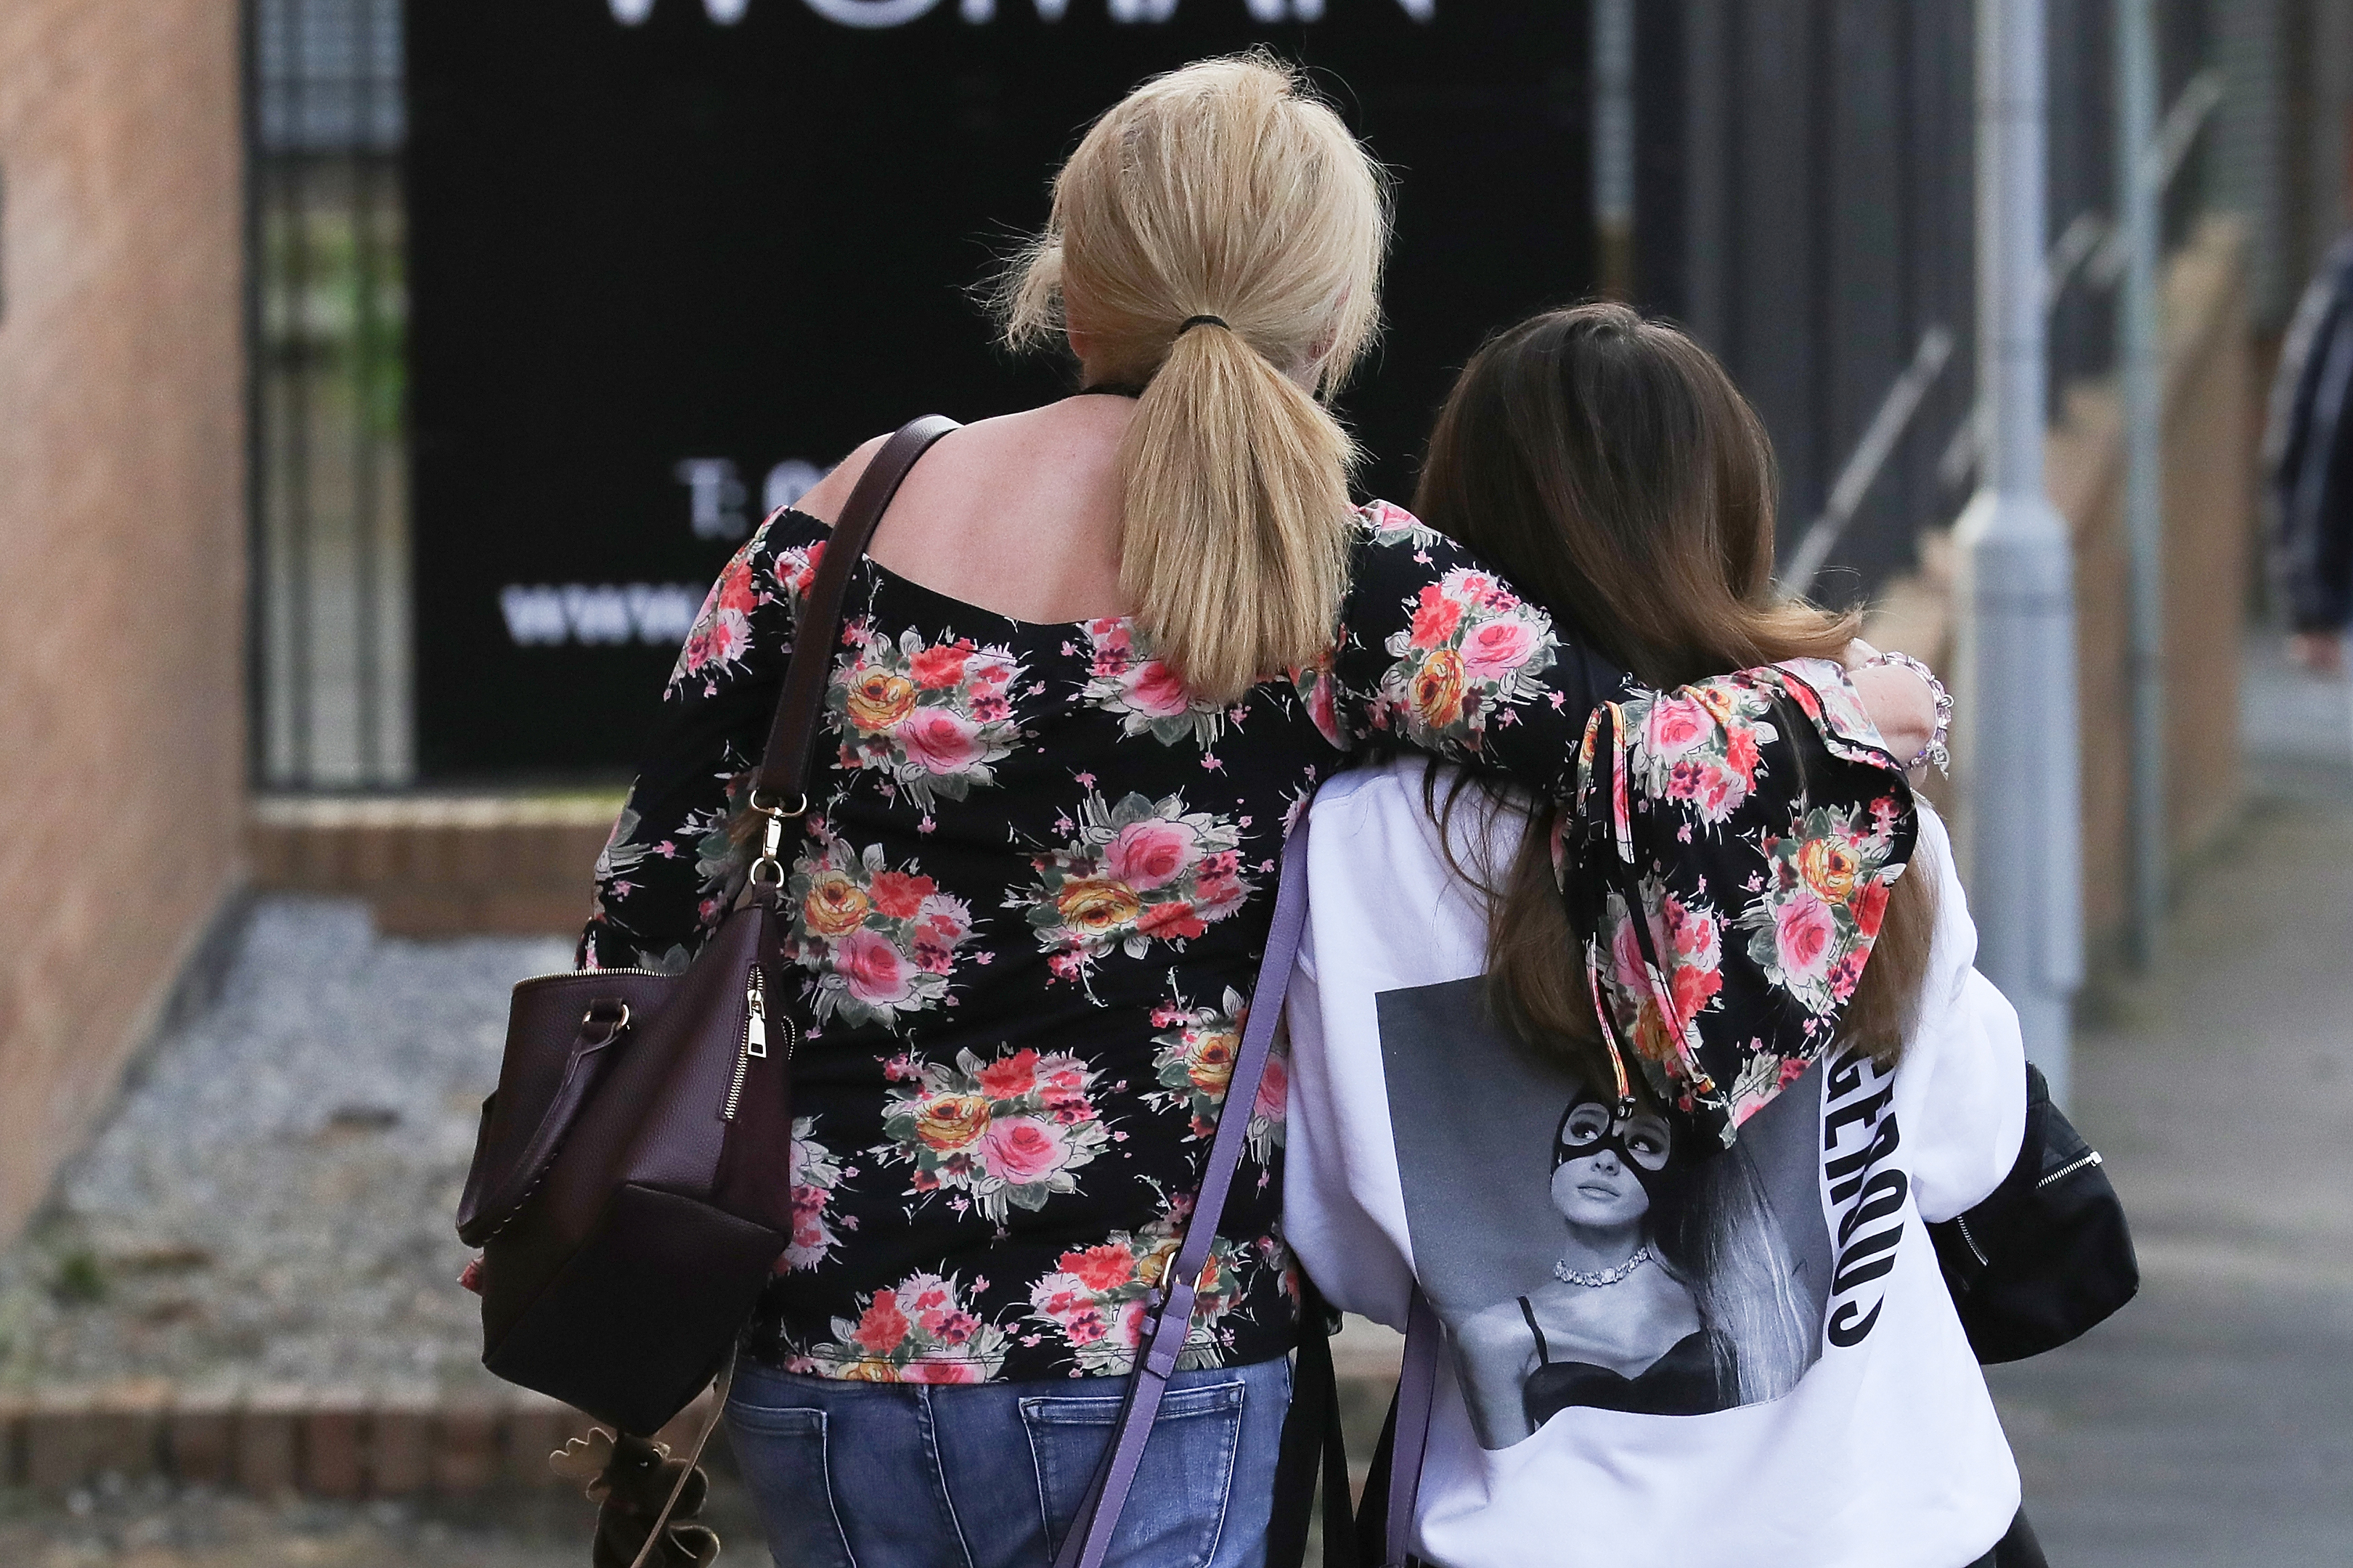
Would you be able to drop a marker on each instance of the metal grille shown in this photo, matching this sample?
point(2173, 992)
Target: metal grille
point(1827, 204)
point(327, 316)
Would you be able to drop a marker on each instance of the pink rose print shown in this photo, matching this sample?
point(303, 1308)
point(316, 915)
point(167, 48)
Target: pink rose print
point(815, 1173)
point(1804, 929)
point(1197, 1048)
point(939, 1369)
point(1102, 1267)
point(1023, 1149)
point(1495, 649)
point(1152, 854)
point(1126, 680)
point(1273, 1091)
point(721, 640)
point(1096, 1299)
point(942, 923)
point(880, 939)
point(1822, 905)
point(721, 633)
point(1113, 648)
point(1130, 1330)
point(876, 974)
point(1741, 754)
point(919, 1332)
point(1677, 724)
point(797, 569)
point(932, 719)
point(1064, 1096)
point(1469, 655)
point(940, 741)
point(1002, 1135)
point(1322, 710)
point(1154, 689)
point(1217, 889)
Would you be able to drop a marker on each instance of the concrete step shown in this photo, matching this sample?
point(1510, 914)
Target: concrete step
point(269, 1440)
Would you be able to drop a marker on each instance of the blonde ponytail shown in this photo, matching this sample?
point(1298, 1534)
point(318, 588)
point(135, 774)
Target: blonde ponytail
point(1223, 191)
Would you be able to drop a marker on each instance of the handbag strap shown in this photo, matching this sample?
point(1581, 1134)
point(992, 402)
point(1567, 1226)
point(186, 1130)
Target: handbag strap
point(721, 1387)
point(1163, 1340)
point(483, 1216)
point(792, 734)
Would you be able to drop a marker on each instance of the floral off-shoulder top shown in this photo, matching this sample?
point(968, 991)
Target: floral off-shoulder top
point(1026, 912)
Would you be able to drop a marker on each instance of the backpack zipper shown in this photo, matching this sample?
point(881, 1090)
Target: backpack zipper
point(1962, 1221)
point(755, 1038)
point(2069, 1169)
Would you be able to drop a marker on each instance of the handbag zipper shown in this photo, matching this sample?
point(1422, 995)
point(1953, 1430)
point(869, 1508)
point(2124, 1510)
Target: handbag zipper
point(756, 1037)
point(577, 974)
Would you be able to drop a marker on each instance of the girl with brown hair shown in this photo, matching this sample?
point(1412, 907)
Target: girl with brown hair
point(1100, 654)
point(1706, 1281)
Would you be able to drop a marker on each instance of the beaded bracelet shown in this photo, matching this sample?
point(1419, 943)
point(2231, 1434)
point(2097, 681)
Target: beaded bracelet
point(1934, 752)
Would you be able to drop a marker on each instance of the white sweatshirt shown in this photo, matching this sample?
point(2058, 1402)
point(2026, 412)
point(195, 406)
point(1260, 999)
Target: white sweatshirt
point(1777, 1379)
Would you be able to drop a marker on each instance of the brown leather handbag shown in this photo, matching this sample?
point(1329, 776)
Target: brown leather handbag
point(631, 1189)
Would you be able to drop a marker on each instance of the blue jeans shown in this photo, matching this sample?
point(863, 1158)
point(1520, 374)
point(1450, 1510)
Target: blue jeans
point(864, 1475)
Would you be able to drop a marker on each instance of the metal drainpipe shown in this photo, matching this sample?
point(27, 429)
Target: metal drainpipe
point(2016, 622)
point(2137, 332)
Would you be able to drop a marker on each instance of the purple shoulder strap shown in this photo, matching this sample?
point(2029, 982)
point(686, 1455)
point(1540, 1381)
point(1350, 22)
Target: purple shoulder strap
point(1417, 1387)
point(1164, 1339)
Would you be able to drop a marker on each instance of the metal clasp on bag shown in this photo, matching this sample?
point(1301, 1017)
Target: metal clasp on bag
point(772, 839)
point(620, 1024)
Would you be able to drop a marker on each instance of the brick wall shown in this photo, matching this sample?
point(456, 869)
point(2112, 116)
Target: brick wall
point(122, 540)
point(2208, 487)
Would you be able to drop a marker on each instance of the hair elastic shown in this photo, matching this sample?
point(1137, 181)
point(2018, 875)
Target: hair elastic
point(1192, 322)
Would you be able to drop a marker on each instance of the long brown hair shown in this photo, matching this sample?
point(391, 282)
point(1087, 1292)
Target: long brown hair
point(1607, 464)
point(1225, 190)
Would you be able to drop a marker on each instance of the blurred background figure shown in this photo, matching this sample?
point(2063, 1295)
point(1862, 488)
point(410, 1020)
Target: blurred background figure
point(2308, 453)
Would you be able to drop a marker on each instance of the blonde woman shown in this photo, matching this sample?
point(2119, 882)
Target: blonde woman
point(1099, 656)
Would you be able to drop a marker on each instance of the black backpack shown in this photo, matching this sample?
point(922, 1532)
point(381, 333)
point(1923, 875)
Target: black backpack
point(2047, 1255)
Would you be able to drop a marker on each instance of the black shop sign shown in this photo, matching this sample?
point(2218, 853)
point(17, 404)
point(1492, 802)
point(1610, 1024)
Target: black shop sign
point(671, 259)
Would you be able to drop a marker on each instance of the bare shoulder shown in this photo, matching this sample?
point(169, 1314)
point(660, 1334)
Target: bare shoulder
point(982, 440)
point(825, 498)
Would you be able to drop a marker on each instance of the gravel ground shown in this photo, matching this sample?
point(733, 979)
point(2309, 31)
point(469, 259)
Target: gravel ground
point(271, 1199)
point(150, 1525)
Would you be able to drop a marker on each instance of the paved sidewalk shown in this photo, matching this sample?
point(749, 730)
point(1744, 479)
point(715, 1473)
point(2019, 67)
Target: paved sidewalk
point(2211, 1423)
